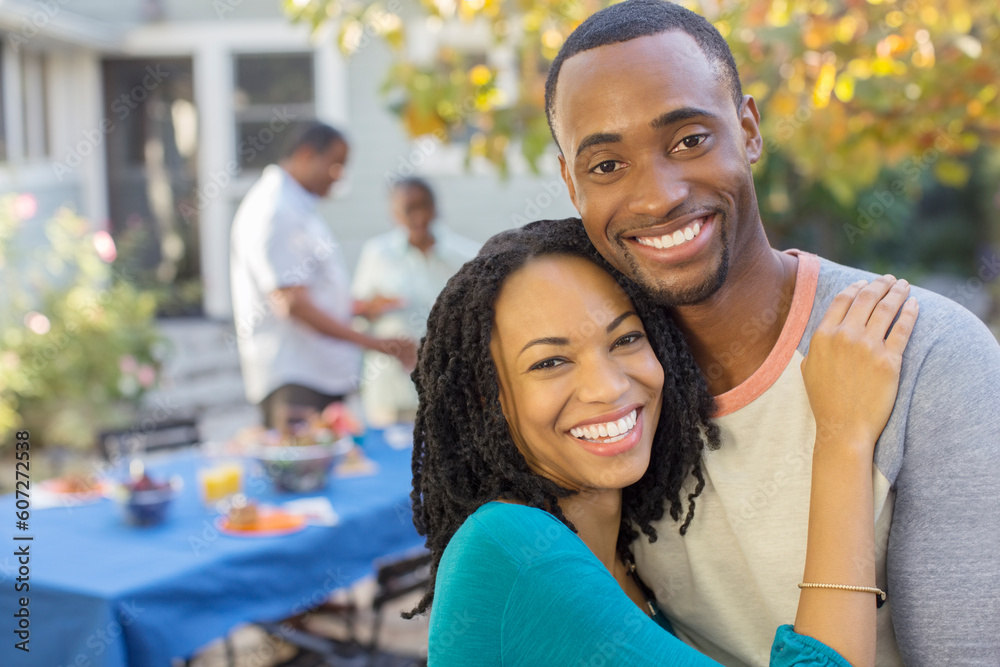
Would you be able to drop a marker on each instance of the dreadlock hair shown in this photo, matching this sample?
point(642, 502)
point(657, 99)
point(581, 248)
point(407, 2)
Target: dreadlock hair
point(632, 19)
point(463, 453)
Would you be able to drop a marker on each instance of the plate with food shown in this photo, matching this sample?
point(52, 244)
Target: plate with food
point(254, 521)
point(74, 489)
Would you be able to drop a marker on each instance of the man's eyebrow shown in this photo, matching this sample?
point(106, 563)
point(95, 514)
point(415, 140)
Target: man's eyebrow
point(597, 138)
point(618, 320)
point(669, 118)
point(551, 340)
point(677, 115)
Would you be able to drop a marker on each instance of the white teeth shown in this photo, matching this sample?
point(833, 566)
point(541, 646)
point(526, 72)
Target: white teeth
point(615, 430)
point(670, 240)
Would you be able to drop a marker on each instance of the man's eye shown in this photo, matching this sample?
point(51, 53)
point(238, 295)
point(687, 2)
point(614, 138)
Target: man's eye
point(689, 142)
point(628, 339)
point(606, 167)
point(546, 364)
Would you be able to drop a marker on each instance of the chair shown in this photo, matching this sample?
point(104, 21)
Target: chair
point(145, 438)
point(395, 577)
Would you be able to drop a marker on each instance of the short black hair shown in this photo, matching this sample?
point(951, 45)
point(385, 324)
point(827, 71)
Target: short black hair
point(413, 182)
point(632, 19)
point(463, 453)
point(314, 134)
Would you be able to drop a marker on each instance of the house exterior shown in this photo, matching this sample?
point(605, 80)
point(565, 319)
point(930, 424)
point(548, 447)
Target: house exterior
point(151, 118)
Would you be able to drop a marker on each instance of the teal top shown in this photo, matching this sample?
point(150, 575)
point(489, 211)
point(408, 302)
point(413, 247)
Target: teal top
point(515, 586)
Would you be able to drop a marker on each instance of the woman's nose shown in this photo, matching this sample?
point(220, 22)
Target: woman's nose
point(602, 380)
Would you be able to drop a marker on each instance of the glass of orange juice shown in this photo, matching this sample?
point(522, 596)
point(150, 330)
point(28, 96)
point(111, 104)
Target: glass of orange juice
point(220, 481)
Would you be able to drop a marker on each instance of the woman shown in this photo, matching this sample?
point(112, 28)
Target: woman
point(399, 275)
point(561, 411)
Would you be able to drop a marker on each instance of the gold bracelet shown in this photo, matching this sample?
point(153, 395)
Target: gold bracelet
point(841, 587)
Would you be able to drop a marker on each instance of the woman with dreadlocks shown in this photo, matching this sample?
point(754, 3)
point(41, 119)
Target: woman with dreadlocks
point(559, 409)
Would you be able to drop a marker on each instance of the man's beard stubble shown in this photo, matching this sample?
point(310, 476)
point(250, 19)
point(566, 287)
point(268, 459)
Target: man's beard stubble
point(673, 297)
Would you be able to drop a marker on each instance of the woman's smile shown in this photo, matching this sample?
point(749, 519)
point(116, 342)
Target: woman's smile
point(580, 386)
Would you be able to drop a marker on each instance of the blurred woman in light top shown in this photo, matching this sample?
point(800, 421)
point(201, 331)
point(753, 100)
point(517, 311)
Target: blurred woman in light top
point(399, 275)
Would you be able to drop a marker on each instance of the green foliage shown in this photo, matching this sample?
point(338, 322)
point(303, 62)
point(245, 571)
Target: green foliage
point(80, 346)
point(846, 88)
point(862, 102)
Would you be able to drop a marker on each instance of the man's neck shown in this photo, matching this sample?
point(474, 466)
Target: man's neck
point(732, 333)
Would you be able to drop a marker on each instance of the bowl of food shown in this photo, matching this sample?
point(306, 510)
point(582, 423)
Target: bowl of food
point(300, 468)
point(145, 501)
point(300, 460)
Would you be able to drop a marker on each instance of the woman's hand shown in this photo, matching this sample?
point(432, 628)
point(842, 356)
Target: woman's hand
point(851, 374)
point(852, 370)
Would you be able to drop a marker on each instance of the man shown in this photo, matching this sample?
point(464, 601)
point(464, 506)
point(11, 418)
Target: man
point(657, 142)
point(400, 273)
point(291, 292)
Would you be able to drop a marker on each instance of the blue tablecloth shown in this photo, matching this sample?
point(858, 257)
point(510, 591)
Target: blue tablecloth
point(105, 594)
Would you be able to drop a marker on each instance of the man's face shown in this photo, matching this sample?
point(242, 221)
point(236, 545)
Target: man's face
point(325, 168)
point(657, 161)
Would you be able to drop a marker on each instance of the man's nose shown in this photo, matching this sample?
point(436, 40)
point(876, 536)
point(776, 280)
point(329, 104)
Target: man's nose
point(658, 188)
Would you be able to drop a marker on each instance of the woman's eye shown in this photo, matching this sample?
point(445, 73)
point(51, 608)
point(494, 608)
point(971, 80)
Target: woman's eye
point(545, 364)
point(689, 142)
point(606, 167)
point(628, 339)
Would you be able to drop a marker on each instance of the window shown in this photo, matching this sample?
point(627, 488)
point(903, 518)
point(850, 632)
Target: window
point(24, 105)
point(272, 92)
point(3, 115)
point(34, 98)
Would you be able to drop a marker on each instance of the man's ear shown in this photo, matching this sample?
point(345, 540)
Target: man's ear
point(568, 180)
point(750, 122)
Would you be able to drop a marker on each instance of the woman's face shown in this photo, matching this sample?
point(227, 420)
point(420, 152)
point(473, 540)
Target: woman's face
point(414, 209)
point(579, 383)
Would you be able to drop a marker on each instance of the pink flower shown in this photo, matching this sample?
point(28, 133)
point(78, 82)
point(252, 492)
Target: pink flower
point(127, 364)
point(105, 246)
point(25, 206)
point(146, 375)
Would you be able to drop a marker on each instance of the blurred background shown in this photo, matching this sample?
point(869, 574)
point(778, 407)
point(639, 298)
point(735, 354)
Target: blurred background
point(131, 129)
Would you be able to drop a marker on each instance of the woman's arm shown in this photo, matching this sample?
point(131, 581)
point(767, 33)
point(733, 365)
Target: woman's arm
point(851, 375)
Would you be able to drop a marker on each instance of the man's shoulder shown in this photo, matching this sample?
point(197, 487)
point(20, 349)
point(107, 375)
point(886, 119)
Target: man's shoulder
point(941, 321)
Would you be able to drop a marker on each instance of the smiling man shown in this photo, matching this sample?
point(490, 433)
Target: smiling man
point(657, 142)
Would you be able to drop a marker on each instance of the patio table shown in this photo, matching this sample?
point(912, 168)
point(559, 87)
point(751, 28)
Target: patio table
point(106, 594)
